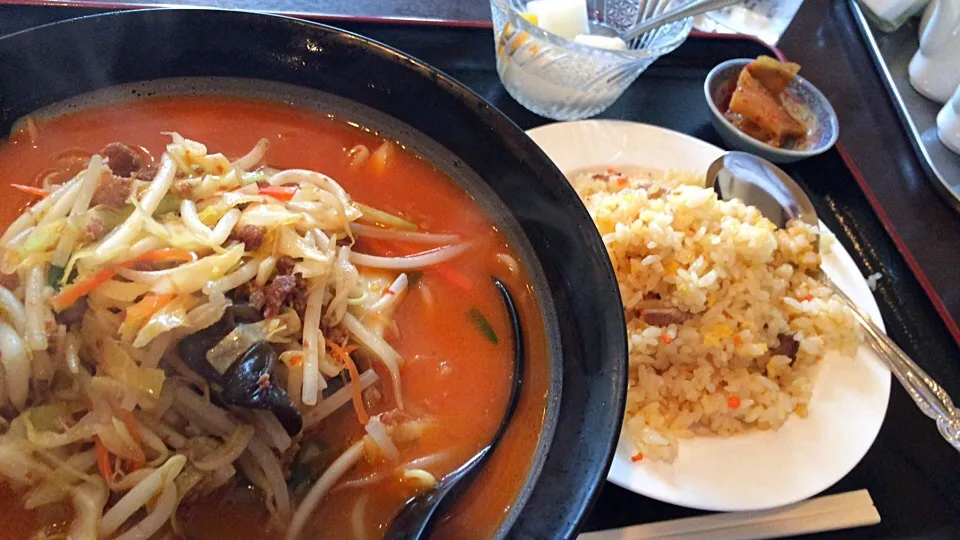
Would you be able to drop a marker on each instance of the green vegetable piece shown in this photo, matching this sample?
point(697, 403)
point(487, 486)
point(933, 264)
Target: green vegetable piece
point(483, 325)
point(43, 238)
point(47, 418)
point(371, 214)
point(55, 276)
point(248, 178)
point(169, 203)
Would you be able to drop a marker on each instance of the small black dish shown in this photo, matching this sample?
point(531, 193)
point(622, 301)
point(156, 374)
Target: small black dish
point(151, 51)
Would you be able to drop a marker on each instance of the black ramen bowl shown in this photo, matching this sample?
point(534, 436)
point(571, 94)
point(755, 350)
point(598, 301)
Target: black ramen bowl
point(140, 53)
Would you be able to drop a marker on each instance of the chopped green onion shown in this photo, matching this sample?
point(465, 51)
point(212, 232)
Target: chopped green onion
point(483, 325)
point(55, 276)
point(379, 217)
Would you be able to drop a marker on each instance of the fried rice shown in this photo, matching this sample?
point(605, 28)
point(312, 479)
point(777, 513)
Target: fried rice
point(726, 321)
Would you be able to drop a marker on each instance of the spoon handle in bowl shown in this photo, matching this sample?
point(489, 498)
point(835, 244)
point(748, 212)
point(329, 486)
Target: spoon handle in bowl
point(929, 396)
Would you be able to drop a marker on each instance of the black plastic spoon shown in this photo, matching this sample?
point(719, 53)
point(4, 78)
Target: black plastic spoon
point(418, 517)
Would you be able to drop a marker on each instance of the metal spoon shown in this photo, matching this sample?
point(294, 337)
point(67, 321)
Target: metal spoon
point(667, 17)
point(759, 183)
point(418, 517)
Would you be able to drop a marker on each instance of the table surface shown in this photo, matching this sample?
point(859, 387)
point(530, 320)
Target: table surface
point(469, 11)
point(824, 39)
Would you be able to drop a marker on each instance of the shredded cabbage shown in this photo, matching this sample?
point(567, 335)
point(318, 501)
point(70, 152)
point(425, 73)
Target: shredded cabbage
point(173, 315)
point(269, 215)
point(43, 238)
point(110, 390)
point(115, 362)
point(191, 277)
point(293, 245)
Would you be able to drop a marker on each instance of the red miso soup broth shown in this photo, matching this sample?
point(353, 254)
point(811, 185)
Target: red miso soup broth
point(450, 328)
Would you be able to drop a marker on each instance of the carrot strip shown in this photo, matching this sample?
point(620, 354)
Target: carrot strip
point(30, 190)
point(126, 417)
point(103, 459)
point(164, 255)
point(344, 356)
point(461, 281)
point(283, 193)
point(145, 308)
point(75, 291)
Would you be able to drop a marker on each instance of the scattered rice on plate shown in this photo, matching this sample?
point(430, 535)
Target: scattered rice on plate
point(725, 320)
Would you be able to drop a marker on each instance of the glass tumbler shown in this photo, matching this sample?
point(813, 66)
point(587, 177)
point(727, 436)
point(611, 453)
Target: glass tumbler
point(564, 80)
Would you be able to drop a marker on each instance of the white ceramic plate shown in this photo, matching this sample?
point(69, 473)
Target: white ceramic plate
point(761, 469)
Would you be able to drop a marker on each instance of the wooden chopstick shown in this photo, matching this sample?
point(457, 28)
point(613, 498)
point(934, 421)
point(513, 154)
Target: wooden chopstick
point(828, 513)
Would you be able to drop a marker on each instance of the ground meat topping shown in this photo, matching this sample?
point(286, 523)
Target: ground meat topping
point(257, 298)
point(113, 191)
point(251, 236)
point(285, 265)
point(298, 298)
point(655, 192)
point(94, 230)
point(285, 289)
point(182, 189)
point(122, 160)
point(276, 293)
point(10, 281)
point(146, 172)
point(336, 334)
point(786, 346)
point(663, 316)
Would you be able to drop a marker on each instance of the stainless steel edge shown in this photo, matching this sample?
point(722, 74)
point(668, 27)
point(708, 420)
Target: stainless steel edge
point(940, 171)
